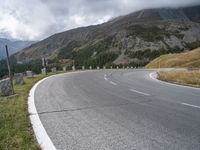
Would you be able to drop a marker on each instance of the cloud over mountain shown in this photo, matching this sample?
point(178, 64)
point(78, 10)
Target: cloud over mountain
point(35, 20)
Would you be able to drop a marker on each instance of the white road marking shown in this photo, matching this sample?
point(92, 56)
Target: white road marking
point(105, 77)
point(186, 104)
point(113, 83)
point(139, 92)
point(39, 130)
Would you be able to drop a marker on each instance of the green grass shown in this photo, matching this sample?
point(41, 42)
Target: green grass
point(15, 128)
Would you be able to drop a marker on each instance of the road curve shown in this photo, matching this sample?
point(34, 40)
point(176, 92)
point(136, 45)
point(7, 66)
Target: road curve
point(118, 110)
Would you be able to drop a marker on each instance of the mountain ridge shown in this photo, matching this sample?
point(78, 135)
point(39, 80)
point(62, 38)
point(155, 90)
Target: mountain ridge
point(148, 29)
point(13, 46)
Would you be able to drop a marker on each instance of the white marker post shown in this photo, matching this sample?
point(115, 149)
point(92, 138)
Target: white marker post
point(64, 69)
point(83, 67)
point(73, 68)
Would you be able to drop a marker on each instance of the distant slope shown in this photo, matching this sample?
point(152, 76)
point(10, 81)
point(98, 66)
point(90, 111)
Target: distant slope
point(133, 39)
point(185, 59)
point(14, 46)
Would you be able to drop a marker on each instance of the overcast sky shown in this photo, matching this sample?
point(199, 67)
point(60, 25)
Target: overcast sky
point(38, 19)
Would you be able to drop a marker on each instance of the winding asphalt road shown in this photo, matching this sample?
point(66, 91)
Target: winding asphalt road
point(118, 110)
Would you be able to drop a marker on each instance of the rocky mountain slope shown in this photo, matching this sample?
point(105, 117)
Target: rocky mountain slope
point(14, 46)
point(133, 39)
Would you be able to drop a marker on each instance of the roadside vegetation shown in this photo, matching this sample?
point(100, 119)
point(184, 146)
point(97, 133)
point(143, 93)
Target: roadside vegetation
point(188, 59)
point(183, 77)
point(15, 128)
point(34, 65)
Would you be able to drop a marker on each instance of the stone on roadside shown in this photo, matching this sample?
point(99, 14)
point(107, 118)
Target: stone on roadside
point(29, 73)
point(53, 69)
point(18, 77)
point(5, 87)
point(44, 71)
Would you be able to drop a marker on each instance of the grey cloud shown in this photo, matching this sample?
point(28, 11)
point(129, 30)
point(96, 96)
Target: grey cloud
point(37, 19)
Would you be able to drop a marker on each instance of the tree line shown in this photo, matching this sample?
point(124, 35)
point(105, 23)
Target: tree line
point(34, 65)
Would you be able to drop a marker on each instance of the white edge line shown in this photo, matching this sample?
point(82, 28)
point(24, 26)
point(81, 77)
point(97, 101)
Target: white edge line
point(186, 104)
point(139, 92)
point(41, 135)
point(153, 75)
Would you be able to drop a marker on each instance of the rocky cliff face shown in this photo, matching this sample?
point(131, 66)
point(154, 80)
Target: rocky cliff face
point(134, 38)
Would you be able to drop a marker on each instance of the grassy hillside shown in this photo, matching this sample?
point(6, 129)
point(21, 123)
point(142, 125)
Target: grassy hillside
point(185, 59)
point(183, 77)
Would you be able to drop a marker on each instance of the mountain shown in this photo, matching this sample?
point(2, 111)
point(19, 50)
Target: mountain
point(133, 39)
point(189, 59)
point(13, 46)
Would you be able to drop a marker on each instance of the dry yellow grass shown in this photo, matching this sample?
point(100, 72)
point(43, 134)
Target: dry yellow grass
point(183, 77)
point(185, 59)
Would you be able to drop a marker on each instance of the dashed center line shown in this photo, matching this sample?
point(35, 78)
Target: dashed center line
point(186, 104)
point(105, 78)
point(113, 83)
point(146, 94)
